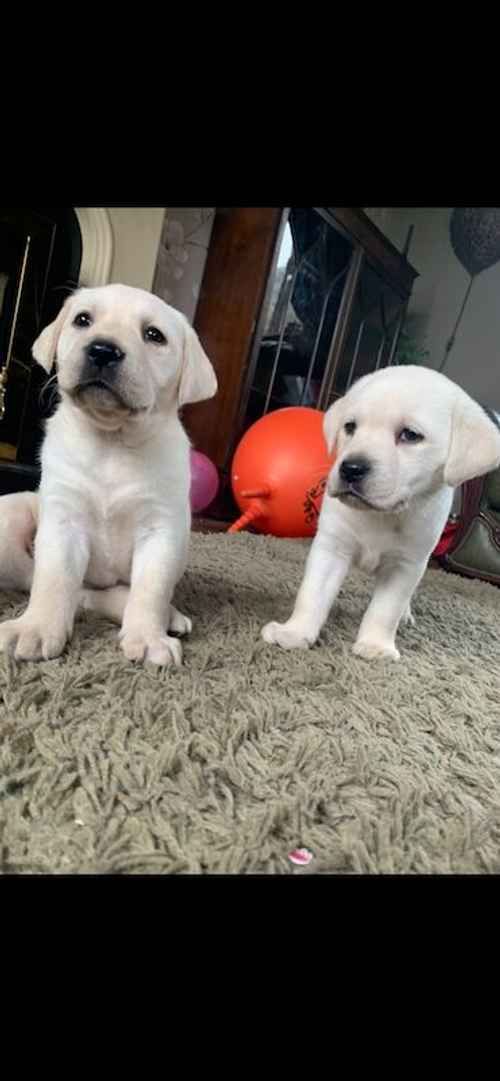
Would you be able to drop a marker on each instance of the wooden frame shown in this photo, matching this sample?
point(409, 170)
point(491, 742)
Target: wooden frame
point(233, 287)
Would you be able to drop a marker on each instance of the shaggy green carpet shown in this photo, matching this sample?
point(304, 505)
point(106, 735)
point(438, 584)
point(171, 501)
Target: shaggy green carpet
point(248, 752)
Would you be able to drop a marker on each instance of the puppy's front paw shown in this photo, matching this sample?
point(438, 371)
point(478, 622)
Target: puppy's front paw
point(160, 649)
point(371, 650)
point(30, 640)
point(287, 635)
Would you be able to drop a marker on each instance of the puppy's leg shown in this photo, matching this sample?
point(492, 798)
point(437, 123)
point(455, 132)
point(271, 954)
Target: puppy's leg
point(325, 571)
point(111, 603)
point(61, 558)
point(156, 567)
point(390, 603)
point(18, 521)
point(178, 623)
point(408, 618)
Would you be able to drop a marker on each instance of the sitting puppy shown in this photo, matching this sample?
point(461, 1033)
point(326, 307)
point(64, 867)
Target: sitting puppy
point(113, 505)
point(404, 438)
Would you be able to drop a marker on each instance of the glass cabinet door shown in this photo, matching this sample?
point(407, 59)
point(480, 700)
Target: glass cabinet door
point(376, 316)
point(301, 310)
point(26, 242)
point(330, 315)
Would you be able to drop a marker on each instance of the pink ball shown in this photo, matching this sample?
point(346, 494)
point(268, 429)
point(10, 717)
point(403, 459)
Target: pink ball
point(204, 481)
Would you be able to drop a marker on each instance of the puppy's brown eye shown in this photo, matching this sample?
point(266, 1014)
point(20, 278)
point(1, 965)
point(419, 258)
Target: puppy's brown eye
point(350, 427)
point(152, 334)
point(83, 319)
point(407, 435)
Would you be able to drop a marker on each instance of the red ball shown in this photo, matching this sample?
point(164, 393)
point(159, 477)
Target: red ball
point(279, 472)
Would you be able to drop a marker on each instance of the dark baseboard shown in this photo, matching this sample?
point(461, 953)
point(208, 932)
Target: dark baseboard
point(208, 525)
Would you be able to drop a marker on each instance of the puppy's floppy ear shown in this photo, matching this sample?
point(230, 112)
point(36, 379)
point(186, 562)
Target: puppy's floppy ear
point(474, 445)
point(198, 380)
point(45, 348)
point(332, 422)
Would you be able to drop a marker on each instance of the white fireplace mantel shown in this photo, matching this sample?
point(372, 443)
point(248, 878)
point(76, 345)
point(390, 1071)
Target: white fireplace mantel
point(97, 245)
point(119, 244)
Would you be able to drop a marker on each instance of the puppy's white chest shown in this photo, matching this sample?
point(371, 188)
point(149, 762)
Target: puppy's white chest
point(115, 507)
point(111, 547)
point(377, 545)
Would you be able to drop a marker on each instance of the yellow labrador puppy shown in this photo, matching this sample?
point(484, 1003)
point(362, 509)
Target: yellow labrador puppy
point(404, 437)
point(113, 505)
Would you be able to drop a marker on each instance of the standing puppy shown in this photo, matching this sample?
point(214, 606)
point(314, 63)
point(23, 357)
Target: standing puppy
point(113, 505)
point(404, 437)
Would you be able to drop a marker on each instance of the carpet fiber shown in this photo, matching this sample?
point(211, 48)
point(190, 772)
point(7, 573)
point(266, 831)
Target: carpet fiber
point(248, 752)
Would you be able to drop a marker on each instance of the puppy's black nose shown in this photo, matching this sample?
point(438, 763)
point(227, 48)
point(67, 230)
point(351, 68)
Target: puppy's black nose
point(101, 353)
point(354, 469)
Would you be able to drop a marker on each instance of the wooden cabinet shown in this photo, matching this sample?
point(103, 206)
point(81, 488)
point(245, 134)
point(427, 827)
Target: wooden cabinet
point(295, 303)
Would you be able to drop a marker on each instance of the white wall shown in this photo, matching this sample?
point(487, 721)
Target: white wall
point(474, 361)
point(186, 235)
point(136, 235)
